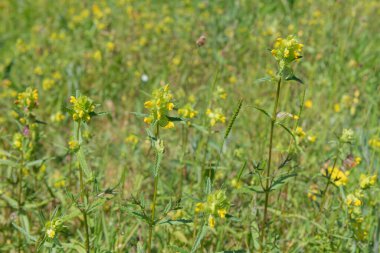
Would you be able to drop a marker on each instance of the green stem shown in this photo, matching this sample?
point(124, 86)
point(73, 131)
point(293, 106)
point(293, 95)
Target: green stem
point(83, 196)
point(151, 225)
point(273, 121)
point(328, 183)
point(20, 179)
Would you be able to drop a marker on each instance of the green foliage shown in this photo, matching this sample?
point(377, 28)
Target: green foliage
point(202, 173)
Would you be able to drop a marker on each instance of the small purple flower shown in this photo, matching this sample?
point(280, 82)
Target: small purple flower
point(26, 131)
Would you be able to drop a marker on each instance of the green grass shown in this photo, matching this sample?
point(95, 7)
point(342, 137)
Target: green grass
point(105, 50)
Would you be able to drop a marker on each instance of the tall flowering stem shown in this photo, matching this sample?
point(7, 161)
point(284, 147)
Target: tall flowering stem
point(267, 182)
point(285, 51)
point(82, 110)
point(159, 107)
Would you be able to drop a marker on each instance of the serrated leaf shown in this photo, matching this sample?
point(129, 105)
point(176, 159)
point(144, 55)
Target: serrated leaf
point(281, 180)
point(256, 189)
point(198, 240)
point(175, 222)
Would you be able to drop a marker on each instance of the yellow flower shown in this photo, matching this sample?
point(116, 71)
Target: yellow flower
point(374, 143)
point(199, 207)
point(222, 213)
point(133, 139)
point(300, 132)
point(110, 46)
point(313, 191)
point(187, 112)
point(312, 138)
point(236, 184)
point(57, 117)
point(60, 183)
point(336, 108)
point(308, 104)
point(159, 107)
point(57, 76)
point(97, 55)
point(73, 145)
point(148, 120)
point(169, 125)
point(211, 221)
point(367, 181)
point(47, 84)
point(352, 200)
point(82, 108)
point(215, 116)
point(50, 233)
point(176, 60)
point(287, 50)
point(38, 71)
point(97, 11)
point(336, 176)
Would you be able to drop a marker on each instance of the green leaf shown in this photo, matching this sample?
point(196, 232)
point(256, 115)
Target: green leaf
point(263, 79)
point(281, 180)
point(233, 251)
point(263, 111)
point(178, 249)
point(83, 163)
point(175, 222)
point(25, 233)
point(287, 130)
point(11, 202)
point(174, 118)
point(294, 78)
point(8, 163)
point(256, 189)
point(198, 240)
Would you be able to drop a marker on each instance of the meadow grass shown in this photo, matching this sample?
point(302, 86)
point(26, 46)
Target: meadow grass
point(189, 126)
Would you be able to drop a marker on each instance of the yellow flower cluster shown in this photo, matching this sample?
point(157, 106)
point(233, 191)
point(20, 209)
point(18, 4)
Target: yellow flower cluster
point(337, 176)
point(132, 139)
point(83, 108)
point(187, 112)
point(374, 143)
point(286, 50)
point(17, 141)
point(73, 145)
point(159, 107)
point(366, 181)
point(215, 116)
point(220, 93)
point(52, 227)
point(353, 200)
point(313, 192)
point(57, 117)
point(27, 99)
point(216, 205)
point(302, 134)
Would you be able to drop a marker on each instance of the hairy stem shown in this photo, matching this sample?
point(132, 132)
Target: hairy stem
point(267, 186)
point(151, 225)
point(83, 196)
